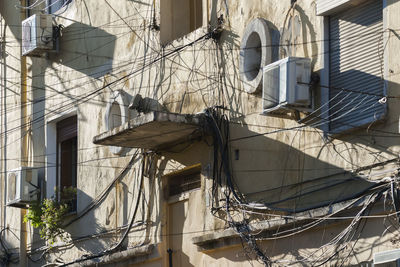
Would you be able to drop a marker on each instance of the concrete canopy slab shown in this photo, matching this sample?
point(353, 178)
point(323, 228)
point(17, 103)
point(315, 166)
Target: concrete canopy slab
point(154, 130)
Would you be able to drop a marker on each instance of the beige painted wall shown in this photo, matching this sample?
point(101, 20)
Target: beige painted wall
point(103, 44)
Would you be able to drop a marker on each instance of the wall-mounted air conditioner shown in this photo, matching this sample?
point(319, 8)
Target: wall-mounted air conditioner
point(37, 35)
point(22, 186)
point(286, 85)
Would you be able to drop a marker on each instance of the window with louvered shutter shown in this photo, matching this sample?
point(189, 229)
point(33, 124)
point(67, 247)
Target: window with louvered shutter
point(67, 154)
point(356, 66)
point(184, 181)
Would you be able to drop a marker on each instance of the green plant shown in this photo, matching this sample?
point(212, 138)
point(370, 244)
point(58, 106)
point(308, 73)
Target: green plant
point(48, 214)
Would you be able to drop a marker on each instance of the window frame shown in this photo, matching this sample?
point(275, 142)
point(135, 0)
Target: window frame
point(67, 144)
point(51, 160)
point(180, 175)
point(325, 64)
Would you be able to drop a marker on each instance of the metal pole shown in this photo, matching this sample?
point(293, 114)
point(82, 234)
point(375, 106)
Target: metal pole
point(24, 145)
point(169, 251)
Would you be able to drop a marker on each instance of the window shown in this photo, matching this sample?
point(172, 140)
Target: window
point(67, 156)
point(179, 17)
point(183, 181)
point(355, 66)
point(55, 5)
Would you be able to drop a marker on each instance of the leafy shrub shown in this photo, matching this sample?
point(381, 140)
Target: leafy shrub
point(48, 215)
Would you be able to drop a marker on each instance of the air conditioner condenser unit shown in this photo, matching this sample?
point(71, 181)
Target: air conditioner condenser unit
point(286, 85)
point(22, 186)
point(37, 35)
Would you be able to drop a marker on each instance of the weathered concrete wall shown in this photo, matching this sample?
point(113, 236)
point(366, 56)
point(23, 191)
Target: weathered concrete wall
point(11, 119)
point(110, 45)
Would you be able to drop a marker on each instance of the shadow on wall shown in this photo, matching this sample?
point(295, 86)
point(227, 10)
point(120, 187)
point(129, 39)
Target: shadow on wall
point(282, 176)
point(281, 171)
point(9, 249)
point(86, 49)
point(296, 246)
point(140, 2)
point(277, 171)
point(38, 115)
point(299, 36)
point(12, 19)
point(354, 99)
point(96, 230)
point(80, 241)
point(82, 230)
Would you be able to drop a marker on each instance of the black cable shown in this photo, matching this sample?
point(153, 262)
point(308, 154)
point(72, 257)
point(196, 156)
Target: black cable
point(220, 128)
point(105, 192)
point(7, 258)
point(395, 197)
point(87, 97)
point(84, 98)
point(119, 244)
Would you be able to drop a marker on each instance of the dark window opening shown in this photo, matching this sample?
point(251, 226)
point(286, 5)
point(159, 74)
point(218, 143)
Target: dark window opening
point(67, 154)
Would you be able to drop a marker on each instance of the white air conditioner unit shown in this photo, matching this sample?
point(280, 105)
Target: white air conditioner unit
point(286, 85)
point(37, 35)
point(22, 186)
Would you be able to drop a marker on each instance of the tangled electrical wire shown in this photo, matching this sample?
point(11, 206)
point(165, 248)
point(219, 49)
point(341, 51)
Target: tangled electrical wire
point(224, 190)
point(6, 257)
point(219, 126)
point(119, 244)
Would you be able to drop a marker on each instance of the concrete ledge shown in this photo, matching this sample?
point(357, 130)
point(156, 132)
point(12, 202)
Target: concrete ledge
point(131, 256)
point(267, 228)
point(154, 130)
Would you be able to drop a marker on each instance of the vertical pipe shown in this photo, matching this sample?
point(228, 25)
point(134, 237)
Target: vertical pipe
point(2, 180)
point(116, 203)
point(169, 251)
point(2, 96)
point(4, 124)
point(24, 145)
point(208, 13)
point(293, 53)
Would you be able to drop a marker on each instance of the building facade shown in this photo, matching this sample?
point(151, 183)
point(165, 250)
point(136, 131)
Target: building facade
point(199, 132)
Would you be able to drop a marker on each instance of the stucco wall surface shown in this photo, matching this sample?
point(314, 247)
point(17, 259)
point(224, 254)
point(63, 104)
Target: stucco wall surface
point(112, 45)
